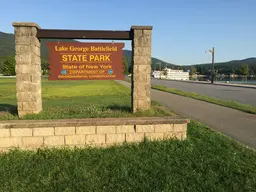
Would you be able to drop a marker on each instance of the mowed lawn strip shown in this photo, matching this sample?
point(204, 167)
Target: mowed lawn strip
point(225, 103)
point(206, 161)
point(75, 99)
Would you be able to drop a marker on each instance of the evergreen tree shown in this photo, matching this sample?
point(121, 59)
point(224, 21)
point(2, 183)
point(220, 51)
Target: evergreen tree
point(9, 66)
point(125, 66)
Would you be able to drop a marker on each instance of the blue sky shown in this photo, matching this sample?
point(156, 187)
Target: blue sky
point(182, 29)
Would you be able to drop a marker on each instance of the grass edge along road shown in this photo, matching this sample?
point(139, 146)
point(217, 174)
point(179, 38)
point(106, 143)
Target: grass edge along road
point(206, 160)
point(231, 104)
point(225, 103)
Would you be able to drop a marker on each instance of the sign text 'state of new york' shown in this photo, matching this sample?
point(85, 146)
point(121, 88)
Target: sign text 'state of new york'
point(85, 61)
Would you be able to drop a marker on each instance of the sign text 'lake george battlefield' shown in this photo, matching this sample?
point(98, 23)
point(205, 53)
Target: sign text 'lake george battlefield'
point(85, 61)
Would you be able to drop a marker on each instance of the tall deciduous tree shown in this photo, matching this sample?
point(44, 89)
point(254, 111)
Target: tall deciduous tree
point(9, 66)
point(192, 70)
point(244, 70)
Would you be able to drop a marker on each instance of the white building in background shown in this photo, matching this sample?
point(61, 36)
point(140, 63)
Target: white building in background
point(171, 74)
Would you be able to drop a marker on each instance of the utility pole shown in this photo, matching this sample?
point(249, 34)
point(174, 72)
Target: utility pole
point(212, 72)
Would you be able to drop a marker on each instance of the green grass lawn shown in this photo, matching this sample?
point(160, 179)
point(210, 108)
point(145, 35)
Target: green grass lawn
point(75, 99)
point(206, 161)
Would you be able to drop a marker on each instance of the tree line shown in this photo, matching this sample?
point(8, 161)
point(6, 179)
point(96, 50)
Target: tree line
point(243, 70)
point(7, 66)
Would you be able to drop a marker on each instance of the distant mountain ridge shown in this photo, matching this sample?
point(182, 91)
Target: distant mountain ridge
point(7, 47)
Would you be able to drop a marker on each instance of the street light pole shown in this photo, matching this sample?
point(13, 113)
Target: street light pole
point(212, 72)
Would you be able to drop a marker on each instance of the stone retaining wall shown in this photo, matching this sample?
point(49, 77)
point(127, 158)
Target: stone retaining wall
point(87, 132)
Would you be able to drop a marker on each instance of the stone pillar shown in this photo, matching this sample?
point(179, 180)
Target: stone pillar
point(141, 62)
point(28, 68)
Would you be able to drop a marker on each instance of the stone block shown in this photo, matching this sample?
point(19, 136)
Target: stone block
point(144, 68)
point(125, 129)
point(35, 41)
point(27, 78)
point(43, 131)
point(24, 97)
point(147, 32)
point(19, 132)
point(142, 41)
point(141, 69)
point(142, 51)
point(115, 138)
point(85, 130)
point(144, 104)
point(28, 50)
point(54, 141)
point(142, 90)
point(141, 60)
point(64, 130)
point(22, 40)
point(144, 128)
point(34, 50)
point(36, 77)
point(32, 106)
point(22, 49)
point(22, 113)
point(95, 139)
point(164, 128)
point(141, 77)
point(27, 87)
point(180, 127)
point(105, 129)
point(154, 136)
point(184, 136)
point(9, 142)
point(32, 142)
point(23, 59)
point(19, 105)
point(75, 140)
point(25, 31)
point(178, 136)
point(137, 33)
point(169, 135)
point(134, 137)
point(36, 60)
point(24, 69)
point(4, 133)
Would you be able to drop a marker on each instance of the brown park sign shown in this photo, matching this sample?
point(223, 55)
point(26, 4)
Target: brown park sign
point(85, 61)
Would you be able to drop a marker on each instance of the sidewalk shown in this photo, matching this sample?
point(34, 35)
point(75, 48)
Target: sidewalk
point(236, 124)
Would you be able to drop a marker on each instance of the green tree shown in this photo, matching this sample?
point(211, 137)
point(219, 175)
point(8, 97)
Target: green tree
point(125, 66)
point(192, 70)
point(44, 66)
point(9, 66)
point(1, 64)
point(244, 70)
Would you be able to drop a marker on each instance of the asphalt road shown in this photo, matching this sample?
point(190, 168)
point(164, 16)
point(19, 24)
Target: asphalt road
point(238, 94)
point(238, 125)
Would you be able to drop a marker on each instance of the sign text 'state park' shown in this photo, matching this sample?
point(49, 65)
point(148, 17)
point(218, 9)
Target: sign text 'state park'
point(85, 61)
